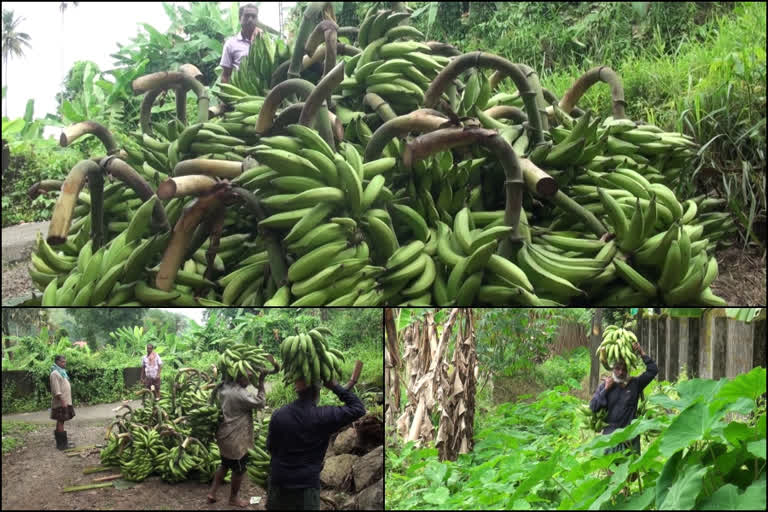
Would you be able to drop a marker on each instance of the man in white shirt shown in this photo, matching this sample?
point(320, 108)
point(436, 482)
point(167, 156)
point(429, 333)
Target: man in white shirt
point(238, 46)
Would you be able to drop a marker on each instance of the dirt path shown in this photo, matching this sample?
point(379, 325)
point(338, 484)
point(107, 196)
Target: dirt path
point(83, 415)
point(34, 476)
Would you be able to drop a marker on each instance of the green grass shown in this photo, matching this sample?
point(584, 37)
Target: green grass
point(13, 434)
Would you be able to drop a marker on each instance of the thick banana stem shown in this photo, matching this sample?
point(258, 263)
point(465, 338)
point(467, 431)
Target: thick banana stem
point(183, 231)
point(298, 86)
point(355, 375)
point(336, 127)
point(507, 112)
point(145, 115)
point(41, 187)
point(590, 78)
point(538, 181)
point(73, 132)
point(587, 217)
point(446, 138)
point(320, 34)
point(213, 168)
point(125, 173)
point(313, 14)
point(58, 229)
point(535, 85)
point(313, 104)
point(289, 115)
point(175, 79)
point(181, 186)
point(379, 106)
point(96, 189)
point(481, 59)
point(181, 92)
point(421, 120)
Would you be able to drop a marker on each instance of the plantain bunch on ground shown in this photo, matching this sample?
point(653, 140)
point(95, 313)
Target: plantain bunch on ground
point(383, 175)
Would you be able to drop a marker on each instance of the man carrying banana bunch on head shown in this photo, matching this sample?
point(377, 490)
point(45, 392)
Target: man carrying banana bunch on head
point(235, 433)
point(619, 395)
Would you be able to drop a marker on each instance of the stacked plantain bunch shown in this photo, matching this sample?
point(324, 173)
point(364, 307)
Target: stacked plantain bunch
point(334, 223)
point(239, 358)
point(307, 356)
point(259, 460)
point(617, 344)
point(174, 437)
point(592, 421)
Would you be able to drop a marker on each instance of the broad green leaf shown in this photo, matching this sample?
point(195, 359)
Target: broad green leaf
point(750, 385)
point(438, 496)
point(636, 501)
point(757, 448)
point(668, 475)
point(736, 431)
point(11, 127)
point(618, 479)
point(728, 498)
point(29, 110)
point(542, 471)
point(435, 472)
point(691, 425)
point(682, 494)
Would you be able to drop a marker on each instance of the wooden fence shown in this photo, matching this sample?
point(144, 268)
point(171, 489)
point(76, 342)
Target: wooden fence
point(710, 347)
point(570, 335)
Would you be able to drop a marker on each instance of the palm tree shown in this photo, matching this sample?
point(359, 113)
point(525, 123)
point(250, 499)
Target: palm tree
point(13, 42)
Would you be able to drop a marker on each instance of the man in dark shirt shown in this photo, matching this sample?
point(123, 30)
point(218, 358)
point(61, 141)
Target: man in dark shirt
point(619, 395)
point(297, 440)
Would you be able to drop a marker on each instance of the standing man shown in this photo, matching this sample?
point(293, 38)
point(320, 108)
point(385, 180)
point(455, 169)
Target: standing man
point(61, 404)
point(619, 395)
point(235, 433)
point(151, 366)
point(237, 46)
point(297, 440)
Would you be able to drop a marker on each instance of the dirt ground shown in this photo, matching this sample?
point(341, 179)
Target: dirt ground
point(35, 474)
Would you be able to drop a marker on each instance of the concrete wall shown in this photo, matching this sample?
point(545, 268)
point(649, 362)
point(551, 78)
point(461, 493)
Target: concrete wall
point(710, 347)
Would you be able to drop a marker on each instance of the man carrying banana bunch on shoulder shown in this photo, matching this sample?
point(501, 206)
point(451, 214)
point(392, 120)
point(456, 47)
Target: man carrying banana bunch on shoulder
point(619, 395)
point(297, 440)
point(235, 433)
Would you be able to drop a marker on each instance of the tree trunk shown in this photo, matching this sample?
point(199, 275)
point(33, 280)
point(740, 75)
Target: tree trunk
point(595, 337)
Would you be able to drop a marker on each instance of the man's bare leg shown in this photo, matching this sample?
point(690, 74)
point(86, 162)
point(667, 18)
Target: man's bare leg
point(218, 479)
point(233, 499)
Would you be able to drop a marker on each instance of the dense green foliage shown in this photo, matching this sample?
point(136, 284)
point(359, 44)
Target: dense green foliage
point(117, 339)
point(533, 456)
point(14, 432)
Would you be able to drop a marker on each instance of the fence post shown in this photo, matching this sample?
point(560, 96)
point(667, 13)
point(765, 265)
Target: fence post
point(673, 349)
point(595, 337)
point(719, 347)
point(692, 360)
point(739, 348)
point(661, 352)
point(685, 342)
point(642, 322)
point(758, 343)
point(653, 328)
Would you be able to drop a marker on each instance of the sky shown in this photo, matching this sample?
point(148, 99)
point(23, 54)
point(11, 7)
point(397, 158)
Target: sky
point(195, 314)
point(89, 31)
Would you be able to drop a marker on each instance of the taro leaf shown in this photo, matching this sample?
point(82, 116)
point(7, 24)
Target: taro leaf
point(682, 495)
point(637, 501)
point(69, 111)
point(728, 498)
point(435, 472)
point(584, 494)
point(618, 479)
point(736, 431)
point(438, 496)
point(692, 389)
point(757, 448)
point(691, 425)
point(542, 471)
point(671, 469)
point(750, 385)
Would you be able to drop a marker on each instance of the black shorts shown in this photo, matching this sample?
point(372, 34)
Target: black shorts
point(237, 466)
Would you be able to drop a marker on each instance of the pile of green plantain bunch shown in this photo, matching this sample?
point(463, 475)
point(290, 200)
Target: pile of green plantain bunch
point(312, 221)
point(174, 437)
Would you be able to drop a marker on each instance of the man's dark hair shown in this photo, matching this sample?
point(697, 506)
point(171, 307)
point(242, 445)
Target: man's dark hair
point(248, 6)
point(309, 393)
point(57, 358)
point(150, 345)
